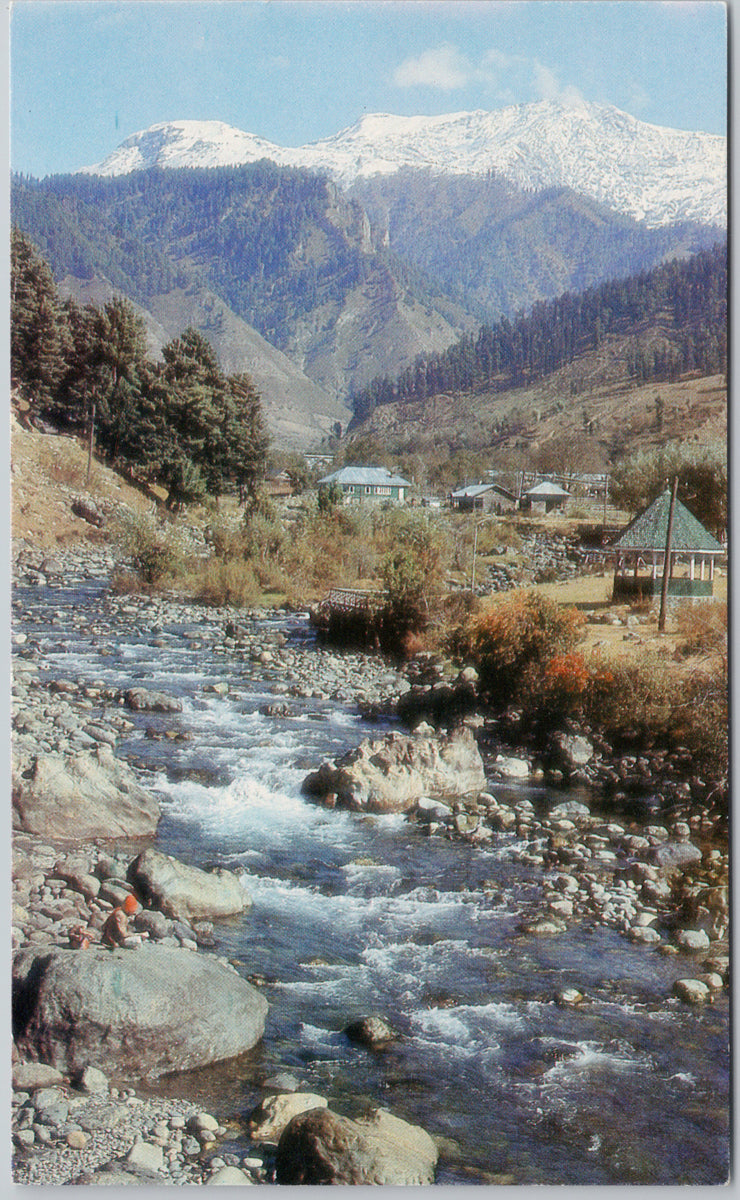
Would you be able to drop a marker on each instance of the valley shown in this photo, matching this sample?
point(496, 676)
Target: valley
point(316, 280)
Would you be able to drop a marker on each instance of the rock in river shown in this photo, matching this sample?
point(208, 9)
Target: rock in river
point(392, 773)
point(186, 892)
point(132, 1012)
point(74, 796)
point(140, 699)
point(321, 1147)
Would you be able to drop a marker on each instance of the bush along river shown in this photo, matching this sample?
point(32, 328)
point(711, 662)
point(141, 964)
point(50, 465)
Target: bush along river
point(522, 951)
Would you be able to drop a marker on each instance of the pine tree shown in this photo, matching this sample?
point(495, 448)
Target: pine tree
point(39, 334)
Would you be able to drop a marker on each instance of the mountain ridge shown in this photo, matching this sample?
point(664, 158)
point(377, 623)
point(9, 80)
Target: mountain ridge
point(652, 173)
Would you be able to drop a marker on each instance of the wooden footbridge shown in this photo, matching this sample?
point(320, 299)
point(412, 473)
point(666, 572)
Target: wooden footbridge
point(345, 600)
point(348, 611)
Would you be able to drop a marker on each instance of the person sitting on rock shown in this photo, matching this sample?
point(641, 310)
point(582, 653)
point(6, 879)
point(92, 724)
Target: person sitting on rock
point(115, 930)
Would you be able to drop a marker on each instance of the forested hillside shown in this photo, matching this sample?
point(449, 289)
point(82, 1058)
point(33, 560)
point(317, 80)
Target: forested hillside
point(499, 249)
point(284, 249)
point(683, 301)
point(348, 286)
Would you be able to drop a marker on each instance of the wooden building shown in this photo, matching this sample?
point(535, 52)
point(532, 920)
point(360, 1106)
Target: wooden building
point(545, 497)
point(483, 497)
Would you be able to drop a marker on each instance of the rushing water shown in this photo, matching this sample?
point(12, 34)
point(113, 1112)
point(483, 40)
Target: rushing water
point(356, 914)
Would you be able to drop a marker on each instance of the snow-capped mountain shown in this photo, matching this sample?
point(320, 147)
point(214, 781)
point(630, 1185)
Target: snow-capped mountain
point(653, 174)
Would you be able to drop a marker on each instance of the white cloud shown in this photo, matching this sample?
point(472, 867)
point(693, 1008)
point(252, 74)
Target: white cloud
point(548, 86)
point(443, 67)
point(546, 82)
point(509, 78)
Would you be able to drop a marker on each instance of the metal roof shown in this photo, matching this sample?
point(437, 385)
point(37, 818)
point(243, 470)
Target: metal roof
point(479, 489)
point(649, 529)
point(546, 489)
point(472, 489)
point(366, 477)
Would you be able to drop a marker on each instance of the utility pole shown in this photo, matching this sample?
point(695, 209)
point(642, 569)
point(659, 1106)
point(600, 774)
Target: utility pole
point(475, 551)
point(668, 560)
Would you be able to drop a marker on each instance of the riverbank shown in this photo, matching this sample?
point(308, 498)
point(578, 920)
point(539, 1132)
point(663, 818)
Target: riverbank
point(602, 869)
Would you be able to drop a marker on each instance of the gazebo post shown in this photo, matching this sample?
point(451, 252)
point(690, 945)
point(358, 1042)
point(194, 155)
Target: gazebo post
point(668, 558)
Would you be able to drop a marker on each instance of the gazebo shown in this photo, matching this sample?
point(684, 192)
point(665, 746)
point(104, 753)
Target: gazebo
point(640, 553)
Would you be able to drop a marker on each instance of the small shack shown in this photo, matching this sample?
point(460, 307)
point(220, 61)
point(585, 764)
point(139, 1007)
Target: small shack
point(483, 497)
point(640, 554)
point(545, 497)
point(279, 485)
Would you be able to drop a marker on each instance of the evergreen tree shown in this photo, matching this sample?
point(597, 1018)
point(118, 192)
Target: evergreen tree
point(39, 334)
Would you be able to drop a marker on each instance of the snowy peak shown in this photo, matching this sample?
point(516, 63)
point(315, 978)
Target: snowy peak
point(652, 174)
point(185, 144)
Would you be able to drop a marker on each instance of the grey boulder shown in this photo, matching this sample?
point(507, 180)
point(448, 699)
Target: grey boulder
point(185, 892)
point(132, 1012)
point(392, 773)
point(75, 796)
point(570, 751)
point(140, 699)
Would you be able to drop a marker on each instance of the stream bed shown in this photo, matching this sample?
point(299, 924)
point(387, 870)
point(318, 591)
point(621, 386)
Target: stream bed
point(356, 915)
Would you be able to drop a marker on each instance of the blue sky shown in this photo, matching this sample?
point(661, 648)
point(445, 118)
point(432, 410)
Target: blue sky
point(87, 74)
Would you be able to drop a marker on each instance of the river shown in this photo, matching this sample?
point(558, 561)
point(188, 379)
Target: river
point(356, 915)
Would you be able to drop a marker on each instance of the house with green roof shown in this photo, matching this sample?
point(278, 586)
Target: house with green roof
point(639, 554)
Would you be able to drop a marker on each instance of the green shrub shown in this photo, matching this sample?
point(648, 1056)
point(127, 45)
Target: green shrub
point(412, 571)
point(226, 581)
point(156, 550)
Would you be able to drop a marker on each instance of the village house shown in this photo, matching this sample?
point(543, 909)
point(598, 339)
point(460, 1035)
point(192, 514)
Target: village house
point(483, 497)
point(368, 484)
point(639, 554)
point(545, 497)
point(279, 485)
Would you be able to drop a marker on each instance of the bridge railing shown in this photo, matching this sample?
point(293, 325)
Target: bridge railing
point(340, 600)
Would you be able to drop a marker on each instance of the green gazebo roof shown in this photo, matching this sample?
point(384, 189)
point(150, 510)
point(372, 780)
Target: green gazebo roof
point(649, 529)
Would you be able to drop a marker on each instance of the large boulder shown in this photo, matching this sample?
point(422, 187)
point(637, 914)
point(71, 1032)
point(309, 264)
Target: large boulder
point(321, 1147)
point(674, 856)
point(140, 699)
point(75, 796)
point(184, 892)
point(392, 773)
point(85, 507)
point(570, 751)
point(132, 1013)
point(271, 1117)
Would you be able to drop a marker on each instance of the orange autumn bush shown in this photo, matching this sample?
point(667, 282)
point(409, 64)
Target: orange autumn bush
point(568, 686)
point(514, 637)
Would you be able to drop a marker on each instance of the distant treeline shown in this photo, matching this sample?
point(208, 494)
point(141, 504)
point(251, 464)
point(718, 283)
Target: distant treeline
point(686, 300)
